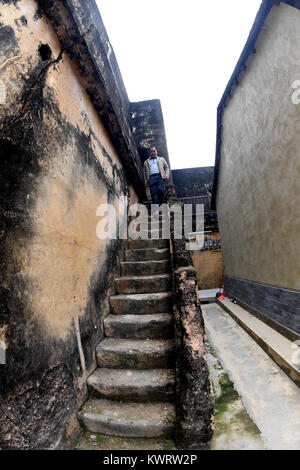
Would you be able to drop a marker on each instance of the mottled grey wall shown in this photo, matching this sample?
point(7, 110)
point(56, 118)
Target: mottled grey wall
point(190, 182)
point(148, 128)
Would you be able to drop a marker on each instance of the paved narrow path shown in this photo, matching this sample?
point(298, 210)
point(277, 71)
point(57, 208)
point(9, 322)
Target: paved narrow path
point(270, 397)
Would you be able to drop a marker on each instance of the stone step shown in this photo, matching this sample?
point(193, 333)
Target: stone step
point(154, 224)
point(133, 385)
point(128, 419)
point(143, 284)
point(135, 354)
point(155, 234)
point(151, 216)
point(145, 268)
point(154, 326)
point(139, 244)
point(148, 221)
point(147, 224)
point(150, 254)
point(277, 346)
point(160, 302)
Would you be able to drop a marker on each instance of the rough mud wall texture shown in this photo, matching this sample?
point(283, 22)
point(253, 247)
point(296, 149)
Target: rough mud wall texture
point(194, 394)
point(258, 197)
point(57, 164)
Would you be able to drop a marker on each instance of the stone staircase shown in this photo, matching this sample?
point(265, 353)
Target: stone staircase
point(132, 391)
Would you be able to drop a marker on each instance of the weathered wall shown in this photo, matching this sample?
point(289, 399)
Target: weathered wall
point(82, 34)
point(209, 268)
point(58, 164)
point(258, 199)
point(193, 181)
point(148, 128)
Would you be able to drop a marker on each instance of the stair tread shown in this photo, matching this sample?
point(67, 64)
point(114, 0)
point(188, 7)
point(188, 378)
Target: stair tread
point(138, 345)
point(153, 302)
point(137, 326)
point(143, 297)
point(129, 419)
point(138, 320)
point(142, 276)
point(152, 243)
point(134, 385)
point(160, 250)
point(115, 353)
point(143, 318)
point(145, 267)
point(161, 261)
point(131, 377)
point(146, 254)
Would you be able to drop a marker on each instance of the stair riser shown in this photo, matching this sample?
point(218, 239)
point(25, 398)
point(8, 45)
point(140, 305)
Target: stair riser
point(138, 244)
point(146, 269)
point(141, 286)
point(146, 255)
point(153, 233)
point(150, 217)
point(134, 360)
point(150, 224)
point(126, 428)
point(137, 394)
point(161, 329)
point(135, 306)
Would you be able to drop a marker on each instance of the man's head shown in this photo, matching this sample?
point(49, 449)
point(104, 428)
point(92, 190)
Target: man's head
point(152, 152)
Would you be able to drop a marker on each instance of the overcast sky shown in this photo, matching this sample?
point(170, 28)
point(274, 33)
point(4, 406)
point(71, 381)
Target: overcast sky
point(183, 53)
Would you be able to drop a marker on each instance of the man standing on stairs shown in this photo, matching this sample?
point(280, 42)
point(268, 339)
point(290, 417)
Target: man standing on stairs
point(156, 173)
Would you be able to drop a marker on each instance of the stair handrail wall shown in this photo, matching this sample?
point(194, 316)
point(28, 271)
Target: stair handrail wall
point(193, 387)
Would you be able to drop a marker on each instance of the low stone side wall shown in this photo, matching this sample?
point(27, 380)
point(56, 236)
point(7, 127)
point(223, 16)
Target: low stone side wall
point(194, 394)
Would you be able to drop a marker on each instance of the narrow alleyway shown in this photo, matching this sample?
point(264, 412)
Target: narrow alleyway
point(257, 405)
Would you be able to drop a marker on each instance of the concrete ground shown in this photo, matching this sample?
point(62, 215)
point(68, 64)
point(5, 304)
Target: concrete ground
point(234, 429)
point(257, 405)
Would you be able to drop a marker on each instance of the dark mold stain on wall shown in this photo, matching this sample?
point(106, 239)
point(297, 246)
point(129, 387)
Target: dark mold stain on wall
point(8, 39)
point(35, 418)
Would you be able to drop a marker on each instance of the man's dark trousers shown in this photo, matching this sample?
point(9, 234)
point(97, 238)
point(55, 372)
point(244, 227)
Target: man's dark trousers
point(157, 188)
